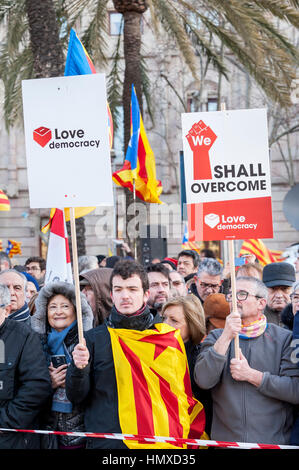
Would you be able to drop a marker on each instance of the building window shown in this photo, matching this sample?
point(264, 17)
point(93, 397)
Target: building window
point(212, 104)
point(116, 24)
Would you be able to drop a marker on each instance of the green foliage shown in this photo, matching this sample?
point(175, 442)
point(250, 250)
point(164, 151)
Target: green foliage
point(246, 29)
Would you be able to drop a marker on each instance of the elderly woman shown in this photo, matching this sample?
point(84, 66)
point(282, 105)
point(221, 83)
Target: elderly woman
point(187, 314)
point(55, 321)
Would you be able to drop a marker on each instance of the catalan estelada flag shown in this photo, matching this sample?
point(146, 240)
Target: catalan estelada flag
point(78, 62)
point(13, 248)
point(4, 202)
point(262, 253)
point(154, 388)
point(139, 164)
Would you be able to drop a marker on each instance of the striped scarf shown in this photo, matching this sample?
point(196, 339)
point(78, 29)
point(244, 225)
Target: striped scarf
point(254, 329)
point(22, 314)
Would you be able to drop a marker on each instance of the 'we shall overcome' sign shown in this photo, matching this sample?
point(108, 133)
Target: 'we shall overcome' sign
point(227, 171)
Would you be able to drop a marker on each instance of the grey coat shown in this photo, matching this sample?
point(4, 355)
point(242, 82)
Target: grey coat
point(241, 411)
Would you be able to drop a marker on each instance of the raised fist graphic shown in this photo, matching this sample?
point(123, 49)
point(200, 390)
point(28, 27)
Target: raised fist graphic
point(201, 138)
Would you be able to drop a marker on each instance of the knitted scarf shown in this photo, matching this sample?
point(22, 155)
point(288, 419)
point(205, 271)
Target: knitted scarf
point(57, 347)
point(140, 320)
point(254, 329)
point(22, 314)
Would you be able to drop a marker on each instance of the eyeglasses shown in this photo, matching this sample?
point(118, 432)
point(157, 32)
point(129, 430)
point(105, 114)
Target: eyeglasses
point(241, 295)
point(294, 298)
point(204, 285)
point(53, 308)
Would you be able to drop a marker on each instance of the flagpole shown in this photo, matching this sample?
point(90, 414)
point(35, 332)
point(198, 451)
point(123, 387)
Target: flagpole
point(231, 255)
point(134, 199)
point(76, 274)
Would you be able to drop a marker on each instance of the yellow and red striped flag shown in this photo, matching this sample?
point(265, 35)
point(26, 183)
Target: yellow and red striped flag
point(4, 202)
point(154, 388)
point(139, 164)
point(1, 246)
point(262, 253)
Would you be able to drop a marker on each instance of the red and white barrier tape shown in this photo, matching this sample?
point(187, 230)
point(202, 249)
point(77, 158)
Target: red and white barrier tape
point(149, 439)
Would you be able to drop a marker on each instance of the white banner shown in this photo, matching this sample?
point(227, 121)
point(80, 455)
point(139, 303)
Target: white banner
point(67, 141)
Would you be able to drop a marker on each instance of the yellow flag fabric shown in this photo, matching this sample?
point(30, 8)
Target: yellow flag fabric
point(79, 212)
point(259, 249)
point(154, 389)
point(4, 202)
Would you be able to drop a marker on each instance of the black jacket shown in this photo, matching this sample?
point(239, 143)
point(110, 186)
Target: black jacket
point(95, 385)
point(204, 396)
point(25, 385)
point(287, 317)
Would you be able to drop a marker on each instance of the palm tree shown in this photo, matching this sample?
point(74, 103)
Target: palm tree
point(43, 57)
point(250, 33)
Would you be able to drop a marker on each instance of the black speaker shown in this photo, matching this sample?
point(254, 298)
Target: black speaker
point(153, 243)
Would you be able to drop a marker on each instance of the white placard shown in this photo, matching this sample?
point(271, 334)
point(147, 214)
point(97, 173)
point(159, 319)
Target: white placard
point(235, 145)
point(67, 141)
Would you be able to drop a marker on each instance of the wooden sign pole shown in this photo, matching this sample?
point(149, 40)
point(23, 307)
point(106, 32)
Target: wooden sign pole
point(76, 274)
point(231, 255)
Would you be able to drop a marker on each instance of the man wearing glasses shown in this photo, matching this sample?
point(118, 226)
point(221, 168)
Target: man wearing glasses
point(36, 266)
point(208, 279)
point(253, 396)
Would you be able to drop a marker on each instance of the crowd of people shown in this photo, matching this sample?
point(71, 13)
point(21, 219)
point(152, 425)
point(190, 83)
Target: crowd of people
point(51, 381)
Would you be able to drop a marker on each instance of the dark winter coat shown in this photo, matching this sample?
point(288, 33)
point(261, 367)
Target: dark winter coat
point(295, 431)
point(25, 385)
point(95, 385)
point(204, 396)
point(287, 317)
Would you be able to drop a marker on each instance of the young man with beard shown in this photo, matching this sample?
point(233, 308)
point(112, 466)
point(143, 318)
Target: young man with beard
point(108, 375)
point(279, 278)
point(159, 288)
point(253, 396)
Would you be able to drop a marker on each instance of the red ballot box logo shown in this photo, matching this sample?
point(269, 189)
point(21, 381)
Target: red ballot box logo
point(201, 138)
point(42, 135)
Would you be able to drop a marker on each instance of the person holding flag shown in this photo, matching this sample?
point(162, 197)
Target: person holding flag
point(122, 374)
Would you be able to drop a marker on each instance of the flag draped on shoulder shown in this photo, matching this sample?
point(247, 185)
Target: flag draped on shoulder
point(154, 388)
point(262, 253)
point(139, 164)
point(4, 202)
point(58, 267)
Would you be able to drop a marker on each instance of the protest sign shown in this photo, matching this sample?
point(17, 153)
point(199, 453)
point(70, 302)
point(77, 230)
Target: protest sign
point(228, 186)
point(67, 141)
point(67, 149)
